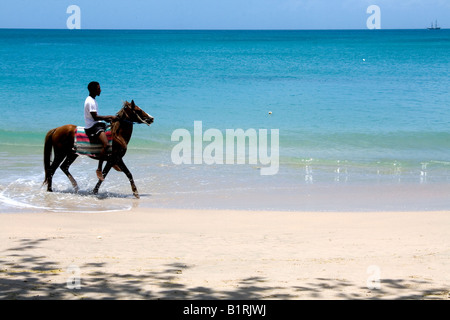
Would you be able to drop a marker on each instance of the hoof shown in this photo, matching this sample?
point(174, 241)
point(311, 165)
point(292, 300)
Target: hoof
point(100, 175)
point(136, 195)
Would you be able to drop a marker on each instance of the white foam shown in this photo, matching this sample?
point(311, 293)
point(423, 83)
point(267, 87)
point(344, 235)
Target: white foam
point(18, 204)
point(14, 203)
point(90, 211)
point(28, 194)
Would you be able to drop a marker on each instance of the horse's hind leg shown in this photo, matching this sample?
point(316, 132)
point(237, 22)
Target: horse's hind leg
point(55, 164)
point(65, 168)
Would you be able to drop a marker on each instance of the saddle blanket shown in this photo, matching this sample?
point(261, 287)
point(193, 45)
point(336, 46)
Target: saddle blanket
point(84, 146)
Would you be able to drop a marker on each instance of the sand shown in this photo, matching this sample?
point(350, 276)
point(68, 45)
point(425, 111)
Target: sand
point(210, 254)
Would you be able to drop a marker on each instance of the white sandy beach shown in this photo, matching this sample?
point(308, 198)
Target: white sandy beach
point(188, 254)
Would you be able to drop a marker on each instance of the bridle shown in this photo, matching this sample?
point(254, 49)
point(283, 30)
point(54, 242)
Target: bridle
point(126, 119)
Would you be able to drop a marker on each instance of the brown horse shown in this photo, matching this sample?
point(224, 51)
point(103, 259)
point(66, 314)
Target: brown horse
point(62, 139)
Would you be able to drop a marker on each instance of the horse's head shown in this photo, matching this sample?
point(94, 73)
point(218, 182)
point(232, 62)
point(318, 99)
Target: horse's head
point(133, 113)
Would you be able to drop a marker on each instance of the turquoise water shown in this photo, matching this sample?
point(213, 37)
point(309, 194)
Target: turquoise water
point(358, 113)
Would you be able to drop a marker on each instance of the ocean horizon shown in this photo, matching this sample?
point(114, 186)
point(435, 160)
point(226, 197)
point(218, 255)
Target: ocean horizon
point(218, 29)
point(362, 115)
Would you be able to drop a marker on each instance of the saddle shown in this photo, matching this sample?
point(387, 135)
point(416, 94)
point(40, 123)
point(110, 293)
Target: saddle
point(83, 145)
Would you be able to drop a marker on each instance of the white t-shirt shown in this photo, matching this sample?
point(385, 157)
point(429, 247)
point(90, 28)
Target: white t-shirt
point(90, 105)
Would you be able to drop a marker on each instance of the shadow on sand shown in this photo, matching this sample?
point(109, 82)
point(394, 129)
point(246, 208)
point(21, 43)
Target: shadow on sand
point(24, 276)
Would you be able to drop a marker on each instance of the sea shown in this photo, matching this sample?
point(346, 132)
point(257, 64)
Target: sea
point(362, 118)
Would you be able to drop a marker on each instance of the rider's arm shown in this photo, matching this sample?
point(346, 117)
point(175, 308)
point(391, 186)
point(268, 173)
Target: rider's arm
point(104, 118)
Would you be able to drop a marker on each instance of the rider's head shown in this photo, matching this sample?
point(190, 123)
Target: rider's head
point(94, 88)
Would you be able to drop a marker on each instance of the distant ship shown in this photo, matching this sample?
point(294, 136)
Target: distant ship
point(434, 27)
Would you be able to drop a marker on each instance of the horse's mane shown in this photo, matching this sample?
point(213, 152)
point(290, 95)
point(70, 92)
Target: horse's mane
point(122, 111)
point(115, 125)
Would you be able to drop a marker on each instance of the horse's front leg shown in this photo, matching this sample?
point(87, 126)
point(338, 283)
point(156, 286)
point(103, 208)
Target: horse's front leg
point(127, 172)
point(106, 169)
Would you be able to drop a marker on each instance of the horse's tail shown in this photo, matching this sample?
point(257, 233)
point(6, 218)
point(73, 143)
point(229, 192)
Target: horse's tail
point(48, 146)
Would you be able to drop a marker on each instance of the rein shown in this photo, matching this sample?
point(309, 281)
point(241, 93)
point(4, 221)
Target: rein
point(125, 119)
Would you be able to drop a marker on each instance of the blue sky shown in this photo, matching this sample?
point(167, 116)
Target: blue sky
point(223, 14)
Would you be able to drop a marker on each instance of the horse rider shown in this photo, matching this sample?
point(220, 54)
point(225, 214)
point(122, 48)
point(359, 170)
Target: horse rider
point(95, 129)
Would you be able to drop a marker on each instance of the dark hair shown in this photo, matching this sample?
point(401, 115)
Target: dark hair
point(92, 86)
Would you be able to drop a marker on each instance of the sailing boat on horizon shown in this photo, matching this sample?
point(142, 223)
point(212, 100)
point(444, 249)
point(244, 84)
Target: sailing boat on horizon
point(434, 27)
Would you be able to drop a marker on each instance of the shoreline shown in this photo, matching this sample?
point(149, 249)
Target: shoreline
point(148, 253)
point(270, 196)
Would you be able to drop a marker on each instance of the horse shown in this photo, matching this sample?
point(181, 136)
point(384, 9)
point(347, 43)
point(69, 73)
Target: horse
point(62, 141)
